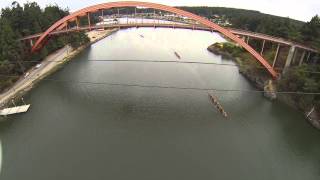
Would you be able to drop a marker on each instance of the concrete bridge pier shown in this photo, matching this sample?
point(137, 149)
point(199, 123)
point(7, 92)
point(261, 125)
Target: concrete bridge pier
point(302, 57)
point(154, 17)
point(276, 56)
point(77, 22)
point(31, 42)
point(102, 15)
point(293, 62)
point(248, 38)
point(135, 15)
point(290, 57)
point(262, 49)
point(309, 54)
point(89, 21)
point(243, 38)
point(67, 26)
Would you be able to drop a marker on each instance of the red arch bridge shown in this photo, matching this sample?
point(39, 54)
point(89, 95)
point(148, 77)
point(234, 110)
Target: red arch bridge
point(61, 26)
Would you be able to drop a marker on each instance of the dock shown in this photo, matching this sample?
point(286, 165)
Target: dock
point(217, 105)
point(15, 110)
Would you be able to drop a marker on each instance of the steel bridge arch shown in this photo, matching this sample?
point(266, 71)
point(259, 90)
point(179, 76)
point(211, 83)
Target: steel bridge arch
point(83, 12)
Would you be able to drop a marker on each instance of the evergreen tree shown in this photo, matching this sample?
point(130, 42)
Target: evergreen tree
point(311, 31)
point(10, 47)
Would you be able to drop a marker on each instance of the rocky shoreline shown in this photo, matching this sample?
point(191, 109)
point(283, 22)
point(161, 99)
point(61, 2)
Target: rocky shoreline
point(217, 51)
point(268, 86)
point(258, 82)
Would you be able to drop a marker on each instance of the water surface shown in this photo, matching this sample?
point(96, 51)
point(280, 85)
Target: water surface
point(94, 131)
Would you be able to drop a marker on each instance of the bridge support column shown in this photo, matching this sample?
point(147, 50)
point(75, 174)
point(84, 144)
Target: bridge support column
point(67, 26)
point(154, 18)
point(89, 22)
point(31, 42)
point(77, 22)
point(309, 54)
point(135, 15)
point(262, 49)
point(302, 57)
point(276, 56)
point(294, 57)
point(248, 38)
point(290, 57)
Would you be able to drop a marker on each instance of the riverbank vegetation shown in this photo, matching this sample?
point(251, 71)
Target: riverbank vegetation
point(22, 20)
point(248, 66)
point(264, 23)
point(18, 21)
point(303, 78)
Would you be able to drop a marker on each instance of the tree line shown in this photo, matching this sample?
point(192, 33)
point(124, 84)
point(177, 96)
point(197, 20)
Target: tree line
point(18, 21)
point(296, 79)
point(307, 33)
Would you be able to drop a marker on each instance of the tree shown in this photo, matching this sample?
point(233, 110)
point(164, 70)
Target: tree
point(52, 14)
point(311, 31)
point(78, 39)
point(17, 21)
point(10, 49)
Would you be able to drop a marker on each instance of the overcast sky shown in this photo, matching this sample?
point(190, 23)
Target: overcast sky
point(297, 9)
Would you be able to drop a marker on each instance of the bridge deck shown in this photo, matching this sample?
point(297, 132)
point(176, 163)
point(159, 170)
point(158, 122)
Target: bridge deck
point(183, 26)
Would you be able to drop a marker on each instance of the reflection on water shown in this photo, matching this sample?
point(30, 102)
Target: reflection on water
point(81, 131)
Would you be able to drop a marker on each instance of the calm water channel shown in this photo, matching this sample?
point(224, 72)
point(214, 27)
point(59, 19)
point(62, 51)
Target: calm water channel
point(93, 131)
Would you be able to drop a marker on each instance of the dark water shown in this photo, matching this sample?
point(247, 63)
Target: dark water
point(82, 131)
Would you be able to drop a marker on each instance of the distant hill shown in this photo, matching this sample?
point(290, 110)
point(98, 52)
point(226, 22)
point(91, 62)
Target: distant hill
point(252, 20)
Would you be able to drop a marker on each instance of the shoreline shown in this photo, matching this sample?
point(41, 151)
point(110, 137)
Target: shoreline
point(254, 80)
point(311, 119)
point(50, 64)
